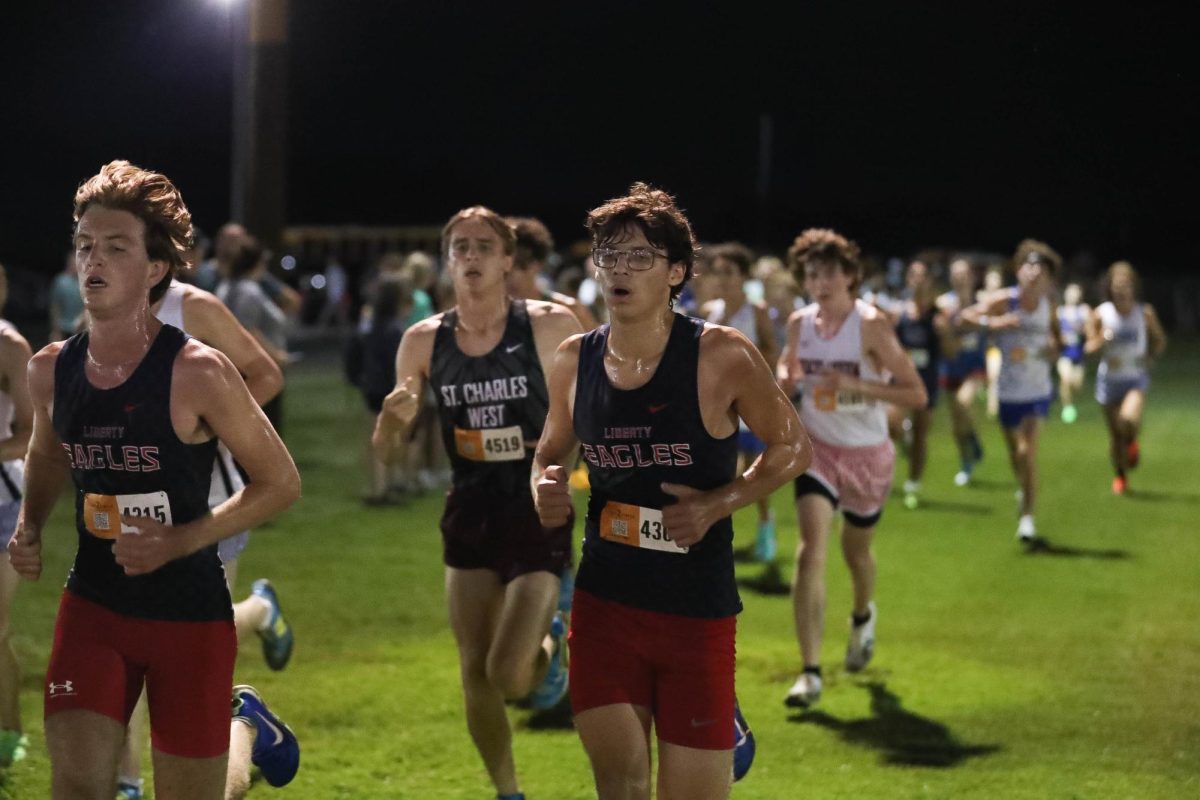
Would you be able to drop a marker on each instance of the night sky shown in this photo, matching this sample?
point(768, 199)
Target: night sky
point(904, 125)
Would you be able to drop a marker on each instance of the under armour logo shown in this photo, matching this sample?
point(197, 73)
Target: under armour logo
point(66, 687)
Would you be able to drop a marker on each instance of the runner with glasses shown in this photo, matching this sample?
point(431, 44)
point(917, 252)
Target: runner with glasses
point(654, 399)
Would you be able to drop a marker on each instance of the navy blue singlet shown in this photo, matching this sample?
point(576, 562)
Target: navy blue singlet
point(121, 444)
point(634, 440)
point(490, 405)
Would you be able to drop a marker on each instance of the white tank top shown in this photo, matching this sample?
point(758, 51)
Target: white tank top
point(226, 480)
point(12, 473)
point(844, 419)
point(170, 311)
point(1125, 343)
point(1024, 351)
point(743, 319)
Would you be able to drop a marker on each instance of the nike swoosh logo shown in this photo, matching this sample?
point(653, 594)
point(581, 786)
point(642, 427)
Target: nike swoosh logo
point(512, 349)
point(658, 408)
point(274, 729)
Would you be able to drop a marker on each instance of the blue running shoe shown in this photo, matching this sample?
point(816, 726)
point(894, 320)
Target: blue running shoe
point(566, 589)
point(764, 543)
point(743, 744)
point(277, 637)
point(276, 752)
point(554, 685)
point(129, 790)
point(14, 746)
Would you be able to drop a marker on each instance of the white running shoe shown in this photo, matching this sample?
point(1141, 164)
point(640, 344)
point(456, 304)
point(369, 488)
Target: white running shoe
point(1026, 530)
point(962, 478)
point(805, 692)
point(861, 646)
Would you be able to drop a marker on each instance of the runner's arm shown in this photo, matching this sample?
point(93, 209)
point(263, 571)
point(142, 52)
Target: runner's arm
point(214, 324)
point(730, 365)
point(402, 404)
point(46, 468)
point(207, 389)
point(1154, 330)
point(905, 389)
point(548, 479)
point(1095, 341)
point(14, 367)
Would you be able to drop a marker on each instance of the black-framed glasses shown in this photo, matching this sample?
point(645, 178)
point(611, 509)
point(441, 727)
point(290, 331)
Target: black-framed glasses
point(638, 259)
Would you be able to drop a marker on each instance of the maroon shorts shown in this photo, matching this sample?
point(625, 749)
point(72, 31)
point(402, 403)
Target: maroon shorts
point(101, 659)
point(681, 668)
point(502, 533)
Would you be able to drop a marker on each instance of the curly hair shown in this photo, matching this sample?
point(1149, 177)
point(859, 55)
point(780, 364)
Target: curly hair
point(1042, 252)
point(508, 239)
point(826, 246)
point(655, 213)
point(534, 242)
point(734, 252)
point(152, 198)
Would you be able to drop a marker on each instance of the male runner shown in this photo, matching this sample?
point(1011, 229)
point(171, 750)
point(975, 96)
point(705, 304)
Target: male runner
point(1128, 335)
point(534, 246)
point(1022, 319)
point(654, 398)
point(1073, 316)
point(842, 351)
point(964, 369)
point(485, 360)
point(133, 409)
point(16, 419)
point(729, 269)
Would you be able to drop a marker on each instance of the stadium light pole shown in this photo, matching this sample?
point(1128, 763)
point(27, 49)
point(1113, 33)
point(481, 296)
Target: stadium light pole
point(259, 163)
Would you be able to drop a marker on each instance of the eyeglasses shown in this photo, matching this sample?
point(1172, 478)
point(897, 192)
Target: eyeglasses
point(639, 259)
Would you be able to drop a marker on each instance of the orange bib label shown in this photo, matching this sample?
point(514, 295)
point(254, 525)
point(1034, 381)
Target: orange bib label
point(490, 444)
point(636, 526)
point(102, 512)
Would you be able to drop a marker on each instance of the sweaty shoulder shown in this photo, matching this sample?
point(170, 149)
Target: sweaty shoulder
point(725, 345)
point(555, 319)
point(425, 328)
point(203, 369)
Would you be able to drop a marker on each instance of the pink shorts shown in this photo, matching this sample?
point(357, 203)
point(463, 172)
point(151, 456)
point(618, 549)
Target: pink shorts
point(858, 479)
point(681, 668)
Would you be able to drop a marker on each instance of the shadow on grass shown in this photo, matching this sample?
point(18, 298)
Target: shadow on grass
point(990, 485)
point(558, 718)
point(769, 582)
point(900, 736)
point(955, 507)
point(1045, 547)
point(1156, 496)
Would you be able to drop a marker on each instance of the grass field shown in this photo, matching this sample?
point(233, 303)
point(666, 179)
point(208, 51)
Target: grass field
point(1070, 673)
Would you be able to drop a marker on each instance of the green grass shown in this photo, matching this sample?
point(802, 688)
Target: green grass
point(997, 675)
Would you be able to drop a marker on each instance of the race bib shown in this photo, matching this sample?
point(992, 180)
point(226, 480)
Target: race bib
point(920, 357)
point(490, 444)
point(1017, 354)
point(826, 398)
point(636, 526)
point(102, 512)
point(969, 341)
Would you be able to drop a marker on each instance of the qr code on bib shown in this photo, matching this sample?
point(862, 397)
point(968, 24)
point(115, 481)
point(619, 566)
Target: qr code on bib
point(620, 527)
point(101, 520)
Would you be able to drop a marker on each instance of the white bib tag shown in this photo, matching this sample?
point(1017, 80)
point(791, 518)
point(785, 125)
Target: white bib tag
point(490, 444)
point(102, 512)
point(636, 526)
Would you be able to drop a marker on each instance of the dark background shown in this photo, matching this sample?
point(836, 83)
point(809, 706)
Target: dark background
point(905, 125)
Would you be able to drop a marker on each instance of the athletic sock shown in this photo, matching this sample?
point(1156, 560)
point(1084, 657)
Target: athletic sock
point(517, 796)
point(812, 669)
point(861, 620)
